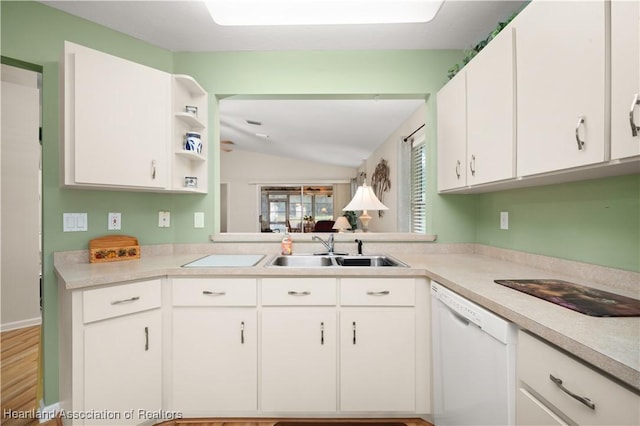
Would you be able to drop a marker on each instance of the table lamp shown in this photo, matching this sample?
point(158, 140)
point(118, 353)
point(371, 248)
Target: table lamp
point(365, 200)
point(341, 224)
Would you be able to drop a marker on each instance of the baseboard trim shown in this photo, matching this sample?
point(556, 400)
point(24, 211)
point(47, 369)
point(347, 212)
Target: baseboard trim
point(49, 412)
point(20, 324)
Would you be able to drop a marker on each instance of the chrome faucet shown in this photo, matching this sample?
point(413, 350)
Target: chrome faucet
point(328, 244)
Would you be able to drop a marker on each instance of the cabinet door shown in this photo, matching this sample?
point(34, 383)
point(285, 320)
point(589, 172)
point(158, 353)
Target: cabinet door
point(214, 360)
point(121, 121)
point(377, 359)
point(490, 112)
point(452, 134)
point(625, 78)
point(122, 366)
point(298, 364)
point(560, 82)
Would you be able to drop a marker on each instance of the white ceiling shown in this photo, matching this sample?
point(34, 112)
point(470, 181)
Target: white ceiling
point(185, 26)
point(339, 132)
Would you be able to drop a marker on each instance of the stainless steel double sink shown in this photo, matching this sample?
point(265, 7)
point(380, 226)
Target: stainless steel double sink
point(322, 261)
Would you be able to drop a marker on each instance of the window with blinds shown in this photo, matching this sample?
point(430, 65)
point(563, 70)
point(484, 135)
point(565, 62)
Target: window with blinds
point(418, 186)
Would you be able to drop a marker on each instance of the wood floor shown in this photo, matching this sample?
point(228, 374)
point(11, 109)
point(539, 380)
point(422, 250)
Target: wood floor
point(297, 421)
point(19, 358)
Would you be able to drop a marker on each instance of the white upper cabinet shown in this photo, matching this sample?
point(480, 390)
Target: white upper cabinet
point(125, 125)
point(561, 86)
point(452, 134)
point(625, 79)
point(491, 135)
point(117, 121)
point(476, 119)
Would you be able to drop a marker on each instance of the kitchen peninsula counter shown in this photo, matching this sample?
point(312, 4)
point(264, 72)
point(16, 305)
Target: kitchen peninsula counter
point(610, 344)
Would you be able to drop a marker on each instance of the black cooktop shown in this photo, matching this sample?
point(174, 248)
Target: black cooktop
point(586, 300)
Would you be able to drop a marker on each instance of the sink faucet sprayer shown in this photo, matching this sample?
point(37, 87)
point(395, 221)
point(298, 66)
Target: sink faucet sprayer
point(359, 245)
point(328, 244)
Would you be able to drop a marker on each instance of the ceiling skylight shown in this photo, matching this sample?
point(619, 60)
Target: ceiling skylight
point(321, 12)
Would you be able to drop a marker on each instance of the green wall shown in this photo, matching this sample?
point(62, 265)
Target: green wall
point(35, 33)
point(594, 221)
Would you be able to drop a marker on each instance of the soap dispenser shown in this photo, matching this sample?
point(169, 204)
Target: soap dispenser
point(287, 244)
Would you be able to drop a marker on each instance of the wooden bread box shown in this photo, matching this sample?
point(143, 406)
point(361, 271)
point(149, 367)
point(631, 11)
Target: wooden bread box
point(113, 248)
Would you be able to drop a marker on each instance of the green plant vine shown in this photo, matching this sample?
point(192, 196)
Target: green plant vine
point(471, 53)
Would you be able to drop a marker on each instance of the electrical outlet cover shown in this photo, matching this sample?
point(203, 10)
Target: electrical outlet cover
point(115, 222)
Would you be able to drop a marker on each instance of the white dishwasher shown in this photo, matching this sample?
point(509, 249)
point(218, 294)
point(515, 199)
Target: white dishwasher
point(474, 353)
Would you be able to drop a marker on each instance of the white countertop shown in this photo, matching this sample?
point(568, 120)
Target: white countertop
point(610, 344)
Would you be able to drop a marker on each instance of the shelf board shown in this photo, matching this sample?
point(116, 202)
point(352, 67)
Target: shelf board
point(191, 121)
point(191, 155)
point(190, 84)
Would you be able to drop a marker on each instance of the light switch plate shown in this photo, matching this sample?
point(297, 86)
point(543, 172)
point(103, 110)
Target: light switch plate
point(198, 220)
point(504, 220)
point(74, 222)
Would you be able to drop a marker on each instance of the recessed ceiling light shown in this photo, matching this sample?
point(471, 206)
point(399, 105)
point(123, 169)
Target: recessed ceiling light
point(262, 135)
point(321, 12)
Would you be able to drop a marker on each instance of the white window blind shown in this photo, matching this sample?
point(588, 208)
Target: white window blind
point(418, 185)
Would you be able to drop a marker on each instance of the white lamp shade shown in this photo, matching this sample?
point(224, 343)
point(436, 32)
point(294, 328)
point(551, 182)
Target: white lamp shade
point(365, 199)
point(342, 223)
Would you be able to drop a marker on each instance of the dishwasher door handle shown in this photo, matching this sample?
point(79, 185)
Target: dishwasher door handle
point(457, 316)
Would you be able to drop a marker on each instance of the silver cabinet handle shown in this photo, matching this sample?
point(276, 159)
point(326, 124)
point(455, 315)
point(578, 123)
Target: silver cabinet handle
point(146, 339)
point(578, 140)
point(129, 300)
point(298, 293)
point(353, 325)
point(322, 333)
point(472, 165)
point(213, 293)
point(378, 293)
point(153, 169)
point(583, 399)
point(634, 126)
point(242, 333)
point(458, 169)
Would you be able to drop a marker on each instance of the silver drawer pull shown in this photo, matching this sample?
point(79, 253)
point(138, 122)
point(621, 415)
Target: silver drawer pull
point(242, 333)
point(298, 293)
point(120, 302)
point(322, 333)
point(583, 399)
point(214, 293)
point(146, 339)
point(378, 293)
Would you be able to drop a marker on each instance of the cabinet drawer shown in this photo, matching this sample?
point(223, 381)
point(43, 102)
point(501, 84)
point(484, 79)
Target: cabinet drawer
point(539, 361)
point(214, 291)
point(298, 291)
point(123, 299)
point(377, 291)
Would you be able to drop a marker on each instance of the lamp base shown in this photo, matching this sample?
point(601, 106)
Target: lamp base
point(364, 219)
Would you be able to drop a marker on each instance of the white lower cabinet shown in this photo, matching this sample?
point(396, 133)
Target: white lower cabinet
point(214, 360)
point(122, 365)
point(377, 359)
point(554, 388)
point(243, 346)
point(214, 346)
point(377, 345)
point(298, 345)
point(298, 360)
point(111, 352)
